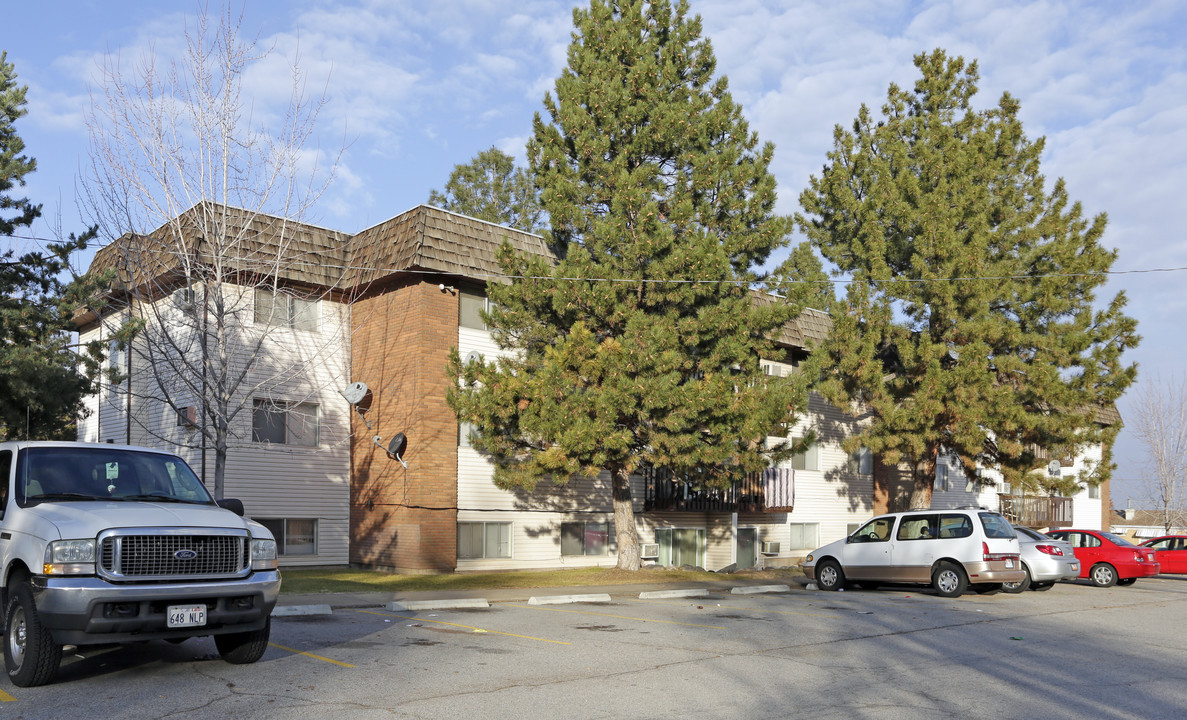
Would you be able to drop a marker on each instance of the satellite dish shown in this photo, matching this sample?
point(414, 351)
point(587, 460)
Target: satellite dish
point(355, 392)
point(1054, 468)
point(397, 445)
point(473, 357)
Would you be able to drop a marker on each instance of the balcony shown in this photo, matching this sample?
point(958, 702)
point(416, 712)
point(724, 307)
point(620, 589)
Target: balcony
point(1036, 511)
point(767, 492)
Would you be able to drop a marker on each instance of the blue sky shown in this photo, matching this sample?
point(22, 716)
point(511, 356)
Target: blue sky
point(418, 87)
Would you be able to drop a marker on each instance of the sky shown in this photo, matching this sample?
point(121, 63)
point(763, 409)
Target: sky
point(414, 88)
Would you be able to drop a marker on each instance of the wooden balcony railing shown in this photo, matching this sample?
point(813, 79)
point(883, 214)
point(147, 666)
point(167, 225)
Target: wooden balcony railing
point(769, 491)
point(1036, 511)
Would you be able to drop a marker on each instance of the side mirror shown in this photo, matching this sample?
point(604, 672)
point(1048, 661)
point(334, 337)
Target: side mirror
point(235, 506)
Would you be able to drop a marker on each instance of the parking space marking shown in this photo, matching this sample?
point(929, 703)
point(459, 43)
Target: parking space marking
point(620, 617)
point(716, 606)
point(306, 654)
point(5, 697)
point(468, 627)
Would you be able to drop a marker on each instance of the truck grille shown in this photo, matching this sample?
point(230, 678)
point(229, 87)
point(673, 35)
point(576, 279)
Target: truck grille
point(172, 556)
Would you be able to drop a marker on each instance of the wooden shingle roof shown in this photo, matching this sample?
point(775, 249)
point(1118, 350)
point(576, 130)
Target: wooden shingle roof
point(431, 239)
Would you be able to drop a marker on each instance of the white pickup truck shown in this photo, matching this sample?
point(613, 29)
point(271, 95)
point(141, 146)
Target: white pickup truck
point(103, 544)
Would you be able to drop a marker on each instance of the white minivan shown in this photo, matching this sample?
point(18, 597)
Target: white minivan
point(947, 549)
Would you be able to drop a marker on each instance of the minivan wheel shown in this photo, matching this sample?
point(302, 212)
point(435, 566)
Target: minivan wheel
point(1103, 575)
point(1021, 585)
point(829, 575)
point(30, 655)
point(949, 580)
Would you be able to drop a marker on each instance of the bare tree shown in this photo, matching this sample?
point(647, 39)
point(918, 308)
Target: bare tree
point(206, 194)
point(1159, 418)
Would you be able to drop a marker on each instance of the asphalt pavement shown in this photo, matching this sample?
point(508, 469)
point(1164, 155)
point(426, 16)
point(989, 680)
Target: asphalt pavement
point(312, 603)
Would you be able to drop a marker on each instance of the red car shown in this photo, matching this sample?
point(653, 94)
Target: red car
point(1171, 551)
point(1107, 559)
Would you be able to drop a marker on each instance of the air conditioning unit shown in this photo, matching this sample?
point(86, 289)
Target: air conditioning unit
point(650, 551)
point(770, 548)
point(187, 417)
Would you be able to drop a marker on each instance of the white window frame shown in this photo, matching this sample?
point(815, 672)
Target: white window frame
point(861, 462)
point(296, 314)
point(809, 535)
point(292, 427)
point(486, 551)
point(809, 460)
point(942, 477)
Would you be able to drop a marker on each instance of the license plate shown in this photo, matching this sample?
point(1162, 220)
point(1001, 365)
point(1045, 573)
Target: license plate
point(182, 616)
point(1009, 564)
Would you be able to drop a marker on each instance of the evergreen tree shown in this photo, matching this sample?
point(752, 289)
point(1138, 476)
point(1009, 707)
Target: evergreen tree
point(969, 325)
point(42, 377)
point(641, 346)
point(492, 188)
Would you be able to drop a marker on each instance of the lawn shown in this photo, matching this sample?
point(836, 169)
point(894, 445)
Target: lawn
point(346, 579)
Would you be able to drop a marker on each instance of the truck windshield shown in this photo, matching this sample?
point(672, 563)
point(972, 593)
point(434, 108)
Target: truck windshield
point(63, 474)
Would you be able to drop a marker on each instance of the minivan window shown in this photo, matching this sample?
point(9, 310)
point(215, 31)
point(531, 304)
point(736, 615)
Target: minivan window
point(955, 525)
point(996, 526)
point(876, 530)
point(917, 527)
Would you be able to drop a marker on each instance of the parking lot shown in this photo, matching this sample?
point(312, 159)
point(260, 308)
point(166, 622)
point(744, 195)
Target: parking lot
point(1073, 651)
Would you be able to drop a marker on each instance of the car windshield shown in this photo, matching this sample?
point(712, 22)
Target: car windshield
point(66, 473)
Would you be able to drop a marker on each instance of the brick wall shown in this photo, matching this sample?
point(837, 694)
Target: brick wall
point(400, 518)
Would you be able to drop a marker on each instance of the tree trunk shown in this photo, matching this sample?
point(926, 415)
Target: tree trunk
point(924, 481)
point(625, 530)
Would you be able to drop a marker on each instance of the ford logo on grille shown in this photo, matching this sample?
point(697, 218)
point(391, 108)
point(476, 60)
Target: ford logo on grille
point(185, 554)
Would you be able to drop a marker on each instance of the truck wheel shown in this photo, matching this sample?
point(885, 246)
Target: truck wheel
point(30, 655)
point(245, 647)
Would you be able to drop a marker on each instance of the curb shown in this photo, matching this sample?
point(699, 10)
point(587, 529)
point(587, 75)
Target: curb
point(300, 610)
point(566, 599)
point(754, 589)
point(455, 604)
point(657, 594)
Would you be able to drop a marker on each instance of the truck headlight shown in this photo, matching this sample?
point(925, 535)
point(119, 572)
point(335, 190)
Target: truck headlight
point(263, 554)
point(69, 557)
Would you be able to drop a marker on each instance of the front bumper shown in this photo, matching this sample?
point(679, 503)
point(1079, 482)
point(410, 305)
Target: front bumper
point(90, 611)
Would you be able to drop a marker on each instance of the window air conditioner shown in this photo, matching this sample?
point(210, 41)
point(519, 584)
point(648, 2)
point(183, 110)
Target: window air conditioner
point(649, 551)
point(770, 548)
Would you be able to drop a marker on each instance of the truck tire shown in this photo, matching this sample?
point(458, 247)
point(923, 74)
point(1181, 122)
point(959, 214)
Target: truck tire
point(245, 647)
point(30, 655)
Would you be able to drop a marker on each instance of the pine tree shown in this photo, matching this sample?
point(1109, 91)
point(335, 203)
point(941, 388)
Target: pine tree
point(491, 188)
point(969, 325)
point(642, 345)
point(43, 376)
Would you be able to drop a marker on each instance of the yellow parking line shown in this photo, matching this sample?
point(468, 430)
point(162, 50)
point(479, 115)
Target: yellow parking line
point(5, 697)
point(621, 617)
point(468, 627)
point(315, 657)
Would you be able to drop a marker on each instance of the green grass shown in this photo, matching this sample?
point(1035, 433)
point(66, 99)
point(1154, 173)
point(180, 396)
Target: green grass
point(345, 579)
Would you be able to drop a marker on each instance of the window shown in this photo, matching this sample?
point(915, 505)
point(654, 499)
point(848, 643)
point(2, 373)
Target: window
point(284, 310)
point(955, 526)
point(483, 540)
point(942, 477)
point(807, 460)
point(471, 305)
point(284, 423)
point(996, 526)
point(584, 538)
point(805, 535)
point(917, 527)
point(294, 536)
point(1094, 492)
point(5, 469)
point(861, 461)
point(876, 530)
